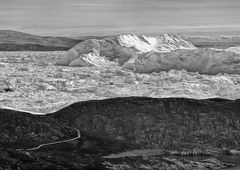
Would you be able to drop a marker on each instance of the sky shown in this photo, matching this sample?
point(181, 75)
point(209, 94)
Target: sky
point(90, 17)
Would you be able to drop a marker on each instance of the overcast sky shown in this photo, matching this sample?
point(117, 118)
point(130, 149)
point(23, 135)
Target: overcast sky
point(66, 17)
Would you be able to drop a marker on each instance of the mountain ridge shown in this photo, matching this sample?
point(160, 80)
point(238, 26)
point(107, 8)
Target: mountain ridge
point(131, 111)
point(18, 41)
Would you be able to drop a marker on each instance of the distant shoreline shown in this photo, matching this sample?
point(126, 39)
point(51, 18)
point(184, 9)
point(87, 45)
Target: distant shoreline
point(73, 32)
point(11, 40)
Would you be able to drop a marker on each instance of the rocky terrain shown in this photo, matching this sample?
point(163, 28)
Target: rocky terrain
point(18, 41)
point(136, 133)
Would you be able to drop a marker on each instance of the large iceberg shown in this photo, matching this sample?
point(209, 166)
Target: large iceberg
point(145, 54)
point(119, 49)
point(204, 61)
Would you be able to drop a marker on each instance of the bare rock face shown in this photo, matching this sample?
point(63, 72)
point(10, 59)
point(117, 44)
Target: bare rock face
point(119, 49)
point(204, 61)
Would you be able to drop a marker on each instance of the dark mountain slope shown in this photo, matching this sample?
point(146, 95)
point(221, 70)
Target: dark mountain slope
point(160, 123)
point(118, 125)
point(18, 41)
point(24, 130)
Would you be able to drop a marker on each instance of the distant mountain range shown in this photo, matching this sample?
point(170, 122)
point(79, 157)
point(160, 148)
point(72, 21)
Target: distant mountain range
point(11, 40)
point(18, 41)
point(214, 41)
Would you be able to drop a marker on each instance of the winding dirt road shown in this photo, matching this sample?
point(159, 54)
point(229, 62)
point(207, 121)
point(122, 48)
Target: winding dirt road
point(45, 144)
point(53, 143)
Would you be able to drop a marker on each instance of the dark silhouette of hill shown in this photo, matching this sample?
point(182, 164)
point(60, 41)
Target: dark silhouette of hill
point(184, 126)
point(24, 130)
point(159, 122)
point(18, 41)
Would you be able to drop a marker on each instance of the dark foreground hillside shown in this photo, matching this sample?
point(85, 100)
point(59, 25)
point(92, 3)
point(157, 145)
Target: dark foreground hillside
point(159, 122)
point(18, 41)
point(125, 133)
point(24, 130)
